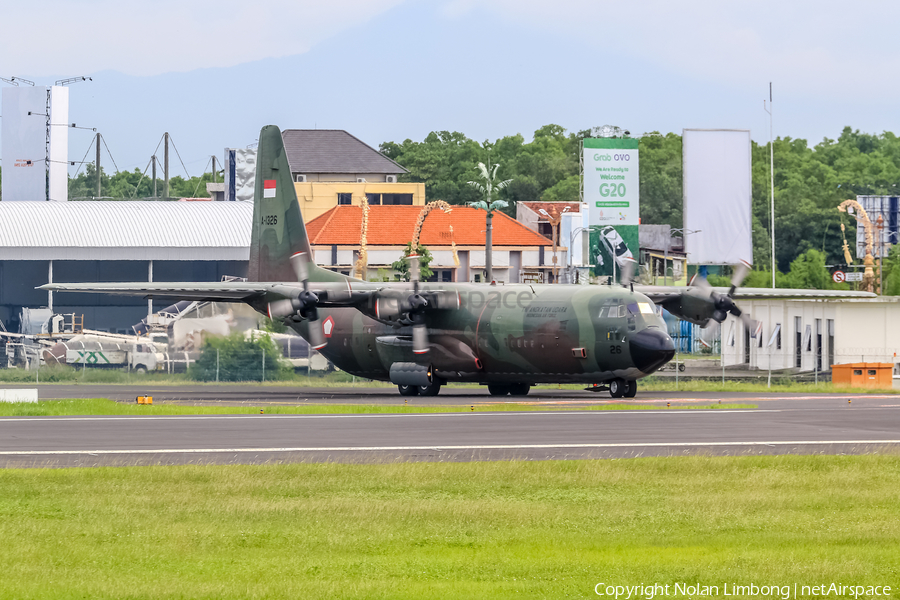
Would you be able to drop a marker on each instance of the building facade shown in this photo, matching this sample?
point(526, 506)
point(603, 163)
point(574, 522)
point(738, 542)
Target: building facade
point(813, 334)
point(456, 241)
point(332, 168)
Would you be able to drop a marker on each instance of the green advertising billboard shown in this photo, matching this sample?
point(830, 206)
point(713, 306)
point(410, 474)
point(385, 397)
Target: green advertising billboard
point(612, 193)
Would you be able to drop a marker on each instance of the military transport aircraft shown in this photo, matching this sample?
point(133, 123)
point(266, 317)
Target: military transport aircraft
point(422, 335)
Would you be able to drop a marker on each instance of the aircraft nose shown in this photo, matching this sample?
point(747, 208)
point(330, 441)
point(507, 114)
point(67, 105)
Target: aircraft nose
point(651, 349)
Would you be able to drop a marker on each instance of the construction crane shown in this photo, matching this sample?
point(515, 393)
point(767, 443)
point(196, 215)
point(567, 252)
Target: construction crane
point(869, 260)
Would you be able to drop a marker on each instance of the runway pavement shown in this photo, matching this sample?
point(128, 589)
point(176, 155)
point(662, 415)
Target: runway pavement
point(783, 423)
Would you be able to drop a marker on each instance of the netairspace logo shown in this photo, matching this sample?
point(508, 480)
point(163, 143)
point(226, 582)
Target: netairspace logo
point(784, 592)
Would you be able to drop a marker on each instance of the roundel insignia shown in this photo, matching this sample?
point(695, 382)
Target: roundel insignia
point(328, 326)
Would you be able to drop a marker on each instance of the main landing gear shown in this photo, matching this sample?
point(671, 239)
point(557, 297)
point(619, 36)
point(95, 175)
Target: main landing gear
point(622, 388)
point(432, 389)
point(513, 389)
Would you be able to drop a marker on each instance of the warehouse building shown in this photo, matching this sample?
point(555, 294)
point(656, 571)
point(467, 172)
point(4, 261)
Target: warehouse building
point(96, 241)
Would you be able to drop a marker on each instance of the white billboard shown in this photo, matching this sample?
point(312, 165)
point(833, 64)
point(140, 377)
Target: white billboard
point(717, 196)
point(58, 166)
point(26, 163)
point(24, 143)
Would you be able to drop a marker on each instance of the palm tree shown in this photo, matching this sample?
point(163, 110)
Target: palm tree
point(489, 188)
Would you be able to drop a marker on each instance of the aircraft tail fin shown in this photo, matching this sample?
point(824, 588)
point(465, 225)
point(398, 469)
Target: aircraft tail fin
point(278, 229)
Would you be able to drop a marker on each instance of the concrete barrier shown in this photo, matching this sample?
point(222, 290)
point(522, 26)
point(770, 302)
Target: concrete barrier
point(18, 395)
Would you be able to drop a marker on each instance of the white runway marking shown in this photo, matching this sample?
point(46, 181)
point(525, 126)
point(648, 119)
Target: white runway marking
point(461, 414)
point(448, 448)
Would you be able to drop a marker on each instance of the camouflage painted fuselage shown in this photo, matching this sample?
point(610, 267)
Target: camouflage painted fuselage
point(504, 334)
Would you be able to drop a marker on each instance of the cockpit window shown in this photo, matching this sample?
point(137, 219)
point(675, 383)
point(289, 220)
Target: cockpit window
point(622, 310)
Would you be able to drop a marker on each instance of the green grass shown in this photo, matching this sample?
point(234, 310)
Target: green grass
point(68, 375)
point(102, 406)
point(659, 384)
point(448, 530)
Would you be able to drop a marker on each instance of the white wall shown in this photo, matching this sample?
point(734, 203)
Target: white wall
point(864, 331)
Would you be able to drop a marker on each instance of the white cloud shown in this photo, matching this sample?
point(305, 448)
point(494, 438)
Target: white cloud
point(70, 37)
point(803, 46)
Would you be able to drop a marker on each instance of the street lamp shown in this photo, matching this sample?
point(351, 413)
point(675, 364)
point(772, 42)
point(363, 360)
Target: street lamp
point(575, 232)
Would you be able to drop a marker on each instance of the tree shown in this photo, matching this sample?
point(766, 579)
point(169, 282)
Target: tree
point(891, 273)
point(402, 265)
point(237, 358)
point(808, 272)
point(488, 188)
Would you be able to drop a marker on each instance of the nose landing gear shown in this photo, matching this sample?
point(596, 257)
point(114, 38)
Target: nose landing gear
point(622, 388)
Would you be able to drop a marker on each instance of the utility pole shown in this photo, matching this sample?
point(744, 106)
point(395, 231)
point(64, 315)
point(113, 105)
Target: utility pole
point(97, 164)
point(771, 178)
point(153, 159)
point(166, 169)
point(488, 246)
point(214, 168)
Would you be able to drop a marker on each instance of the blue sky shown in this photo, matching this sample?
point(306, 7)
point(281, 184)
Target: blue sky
point(212, 73)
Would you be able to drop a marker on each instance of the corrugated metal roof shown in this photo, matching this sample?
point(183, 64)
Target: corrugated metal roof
point(334, 151)
point(96, 230)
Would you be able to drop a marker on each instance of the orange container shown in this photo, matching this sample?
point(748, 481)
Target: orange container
point(869, 375)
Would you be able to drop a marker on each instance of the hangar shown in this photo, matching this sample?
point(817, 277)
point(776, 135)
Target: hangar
point(44, 242)
point(812, 334)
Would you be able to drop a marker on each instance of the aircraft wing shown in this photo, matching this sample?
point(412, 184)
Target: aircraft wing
point(659, 294)
point(328, 294)
point(213, 291)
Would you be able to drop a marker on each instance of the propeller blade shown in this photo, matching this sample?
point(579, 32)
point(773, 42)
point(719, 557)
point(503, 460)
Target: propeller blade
point(414, 270)
point(700, 282)
point(749, 322)
point(316, 335)
point(740, 273)
point(300, 264)
point(627, 273)
point(420, 338)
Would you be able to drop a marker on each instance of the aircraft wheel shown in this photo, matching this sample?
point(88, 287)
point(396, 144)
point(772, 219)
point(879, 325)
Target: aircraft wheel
point(497, 389)
point(408, 390)
point(630, 388)
point(617, 388)
point(432, 389)
point(519, 389)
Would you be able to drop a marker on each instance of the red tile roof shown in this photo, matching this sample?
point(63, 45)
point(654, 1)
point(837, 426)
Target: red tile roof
point(394, 226)
point(554, 208)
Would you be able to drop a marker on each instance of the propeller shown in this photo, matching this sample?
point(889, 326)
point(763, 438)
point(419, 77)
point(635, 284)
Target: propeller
point(627, 272)
point(305, 304)
point(417, 304)
point(724, 303)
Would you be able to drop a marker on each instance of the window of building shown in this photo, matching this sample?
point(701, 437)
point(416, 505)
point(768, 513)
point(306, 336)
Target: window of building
point(404, 199)
point(830, 327)
point(345, 199)
point(373, 199)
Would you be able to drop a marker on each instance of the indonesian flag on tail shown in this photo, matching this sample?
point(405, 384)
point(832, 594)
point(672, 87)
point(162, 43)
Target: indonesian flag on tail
point(268, 188)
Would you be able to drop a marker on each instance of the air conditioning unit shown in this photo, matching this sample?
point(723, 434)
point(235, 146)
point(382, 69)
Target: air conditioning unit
point(299, 178)
point(360, 180)
point(390, 178)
